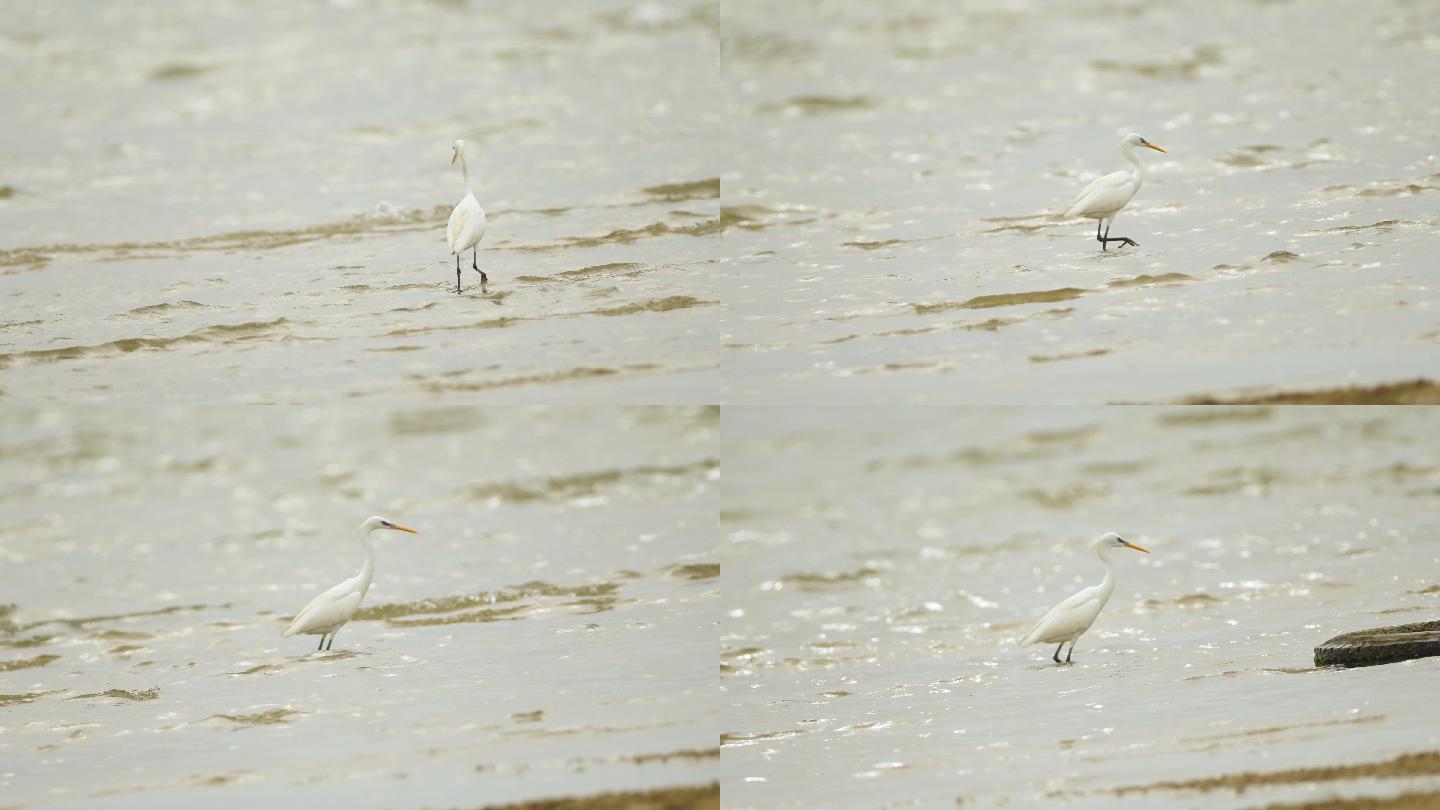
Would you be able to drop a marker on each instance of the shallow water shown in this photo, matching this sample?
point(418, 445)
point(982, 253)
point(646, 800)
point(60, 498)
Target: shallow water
point(879, 568)
point(890, 209)
point(550, 631)
point(217, 203)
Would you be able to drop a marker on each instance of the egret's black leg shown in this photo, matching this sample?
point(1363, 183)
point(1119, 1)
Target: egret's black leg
point(1098, 223)
point(1056, 656)
point(332, 643)
point(1072, 649)
point(474, 259)
point(1106, 240)
point(322, 642)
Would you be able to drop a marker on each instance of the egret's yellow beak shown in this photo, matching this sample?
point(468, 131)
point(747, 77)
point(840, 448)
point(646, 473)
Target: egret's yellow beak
point(397, 527)
point(456, 156)
point(1157, 149)
point(1132, 545)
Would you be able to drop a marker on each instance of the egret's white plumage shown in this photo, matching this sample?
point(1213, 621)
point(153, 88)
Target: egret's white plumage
point(1070, 619)
point(467, 222)
point(1103, 198)
point(329, 611)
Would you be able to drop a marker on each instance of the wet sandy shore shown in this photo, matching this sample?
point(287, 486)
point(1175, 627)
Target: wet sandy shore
point(687, 798)
point(621, 312)
point(548, 633)
point(215, 204)
point(892, 230)
point(880, 566)
point(1415, 392)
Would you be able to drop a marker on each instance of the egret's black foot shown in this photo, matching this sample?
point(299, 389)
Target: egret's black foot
point(475, 265)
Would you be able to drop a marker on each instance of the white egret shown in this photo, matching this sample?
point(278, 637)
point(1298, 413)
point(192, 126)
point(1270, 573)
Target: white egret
point(329, 611)
point(1105, 196)
point(1070, 619)
point(467, 222)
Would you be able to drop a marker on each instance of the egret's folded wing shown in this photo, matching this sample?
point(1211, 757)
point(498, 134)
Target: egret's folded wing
point(473, 230)
point(1065, 619)
point(1096, 187)
point(459, 218)
point(320, 610)
point(450, 228)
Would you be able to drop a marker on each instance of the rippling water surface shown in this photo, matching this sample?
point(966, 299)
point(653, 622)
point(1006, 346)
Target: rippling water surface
point(890, 209)
point(550, 631)
point(214, 202)
point(879, 568)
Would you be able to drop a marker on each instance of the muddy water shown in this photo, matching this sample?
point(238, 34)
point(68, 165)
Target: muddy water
point(239, 204)
point(890, 208)
point(878, 570)
point(550, 631)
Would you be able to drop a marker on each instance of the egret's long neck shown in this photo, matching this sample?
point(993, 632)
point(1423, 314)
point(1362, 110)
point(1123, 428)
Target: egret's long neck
point(367, 571)
point(1129, 153)
point(465, 170)
point(1107, 586)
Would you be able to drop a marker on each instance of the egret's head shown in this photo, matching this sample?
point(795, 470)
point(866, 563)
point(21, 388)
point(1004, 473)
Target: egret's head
point(1133, 139)
point(459, 148)
point(377, 522)
point(1113, 540)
